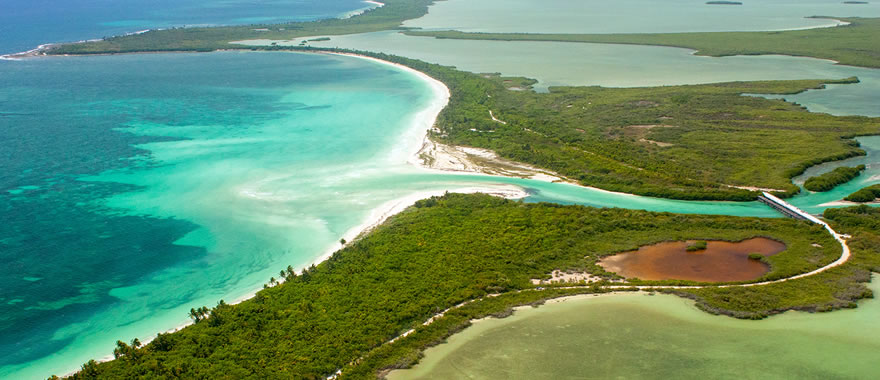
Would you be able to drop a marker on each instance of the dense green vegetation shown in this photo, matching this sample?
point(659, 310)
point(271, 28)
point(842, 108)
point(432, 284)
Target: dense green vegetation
point(868, 194)
point(697, 246)
point(861, 218)
point(217, 38)
point(437, 254)
point(833, 178)
point(686, 142)
point(855, 44)
point(833, 289)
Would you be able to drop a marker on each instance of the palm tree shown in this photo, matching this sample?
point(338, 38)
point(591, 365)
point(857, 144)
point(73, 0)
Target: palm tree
point(90, 369)
point(121, 349)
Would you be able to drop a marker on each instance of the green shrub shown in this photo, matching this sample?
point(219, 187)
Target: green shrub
point(833, 178)
point(424, 260)
point(697, 246)
point(868, 194)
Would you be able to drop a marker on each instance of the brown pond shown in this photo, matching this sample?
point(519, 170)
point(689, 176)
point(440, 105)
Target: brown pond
point(721, 261)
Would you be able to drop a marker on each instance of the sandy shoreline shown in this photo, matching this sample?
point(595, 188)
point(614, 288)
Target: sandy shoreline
point(35, 52)
point(361, 11)
point(847, 203)
point(438, 157)
point(430, 156)
point(422, 122)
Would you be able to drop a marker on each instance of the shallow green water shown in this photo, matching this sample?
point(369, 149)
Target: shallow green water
point(633, 16)
point(127, 205)
point(136, 187)
point(230, 179)
point(813, 202)
point(637, 336)
point(578, 64)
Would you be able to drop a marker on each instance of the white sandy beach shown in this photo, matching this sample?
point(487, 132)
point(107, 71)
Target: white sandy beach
point(361, 11)
point(842, 203)
point(421, 122)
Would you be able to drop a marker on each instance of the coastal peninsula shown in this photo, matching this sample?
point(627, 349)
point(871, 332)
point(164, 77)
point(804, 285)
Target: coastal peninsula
point(425, 266)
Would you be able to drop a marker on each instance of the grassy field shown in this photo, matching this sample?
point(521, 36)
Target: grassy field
point(437, 254)
point(856, 44)
point(217, 38)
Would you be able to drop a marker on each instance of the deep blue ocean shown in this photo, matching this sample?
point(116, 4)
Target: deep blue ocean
point(67, 254)
point(25, 24)
point(135, 187)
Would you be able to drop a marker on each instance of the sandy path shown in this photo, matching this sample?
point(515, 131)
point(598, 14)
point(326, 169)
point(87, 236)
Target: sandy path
point(844, 257)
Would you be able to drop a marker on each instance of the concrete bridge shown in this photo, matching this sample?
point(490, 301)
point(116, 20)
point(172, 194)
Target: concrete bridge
point(787, 209)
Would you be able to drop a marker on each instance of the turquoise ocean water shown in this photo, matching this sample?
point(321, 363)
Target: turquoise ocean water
point(129, 195)
point(133, 188)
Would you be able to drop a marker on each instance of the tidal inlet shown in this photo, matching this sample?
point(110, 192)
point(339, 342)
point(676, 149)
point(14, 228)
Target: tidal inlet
point(452, 189)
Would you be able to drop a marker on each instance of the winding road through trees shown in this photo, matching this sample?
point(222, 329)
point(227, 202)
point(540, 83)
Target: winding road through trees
point(844, 257)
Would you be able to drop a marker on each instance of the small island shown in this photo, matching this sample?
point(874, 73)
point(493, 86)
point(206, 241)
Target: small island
point(830, 180)
point(865, 195)
point(697, 246)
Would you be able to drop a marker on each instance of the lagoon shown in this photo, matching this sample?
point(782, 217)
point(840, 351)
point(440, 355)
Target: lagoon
point(131, 195)
point(127, 205)
point(136, 187)
point(637, 336)
point(633, 16)
point(582, 64)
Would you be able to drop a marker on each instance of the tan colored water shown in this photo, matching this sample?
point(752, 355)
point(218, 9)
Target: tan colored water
point(721, 261)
